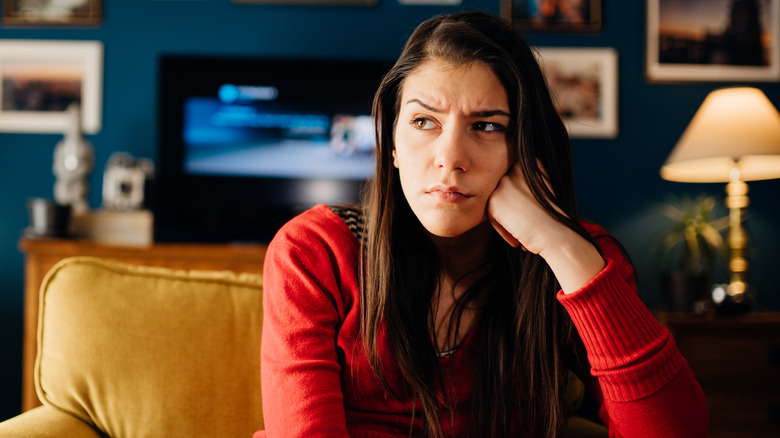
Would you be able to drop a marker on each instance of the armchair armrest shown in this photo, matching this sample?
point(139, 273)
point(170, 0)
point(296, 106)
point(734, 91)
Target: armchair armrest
point(45, 422)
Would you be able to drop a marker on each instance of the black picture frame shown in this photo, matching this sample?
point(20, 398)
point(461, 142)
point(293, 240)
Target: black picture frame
point(554, 15)
point(308, 2)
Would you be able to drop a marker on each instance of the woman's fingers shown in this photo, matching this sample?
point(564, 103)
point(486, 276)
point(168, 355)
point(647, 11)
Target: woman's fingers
point(506, 235)
point(515, 214)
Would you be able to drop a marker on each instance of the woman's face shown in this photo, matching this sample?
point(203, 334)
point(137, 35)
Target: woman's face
point(451, 144)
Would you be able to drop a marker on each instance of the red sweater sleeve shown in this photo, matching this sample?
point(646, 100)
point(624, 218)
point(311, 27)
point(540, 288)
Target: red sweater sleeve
point(647, 386)
point(303, 308)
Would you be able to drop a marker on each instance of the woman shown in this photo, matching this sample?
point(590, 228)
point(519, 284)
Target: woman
point(458, 299)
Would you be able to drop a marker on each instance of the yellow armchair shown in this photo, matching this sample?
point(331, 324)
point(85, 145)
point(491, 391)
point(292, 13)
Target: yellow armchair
point(132, 351)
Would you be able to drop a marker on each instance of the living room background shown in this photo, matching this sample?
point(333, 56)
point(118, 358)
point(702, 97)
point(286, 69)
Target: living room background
point(617, 179)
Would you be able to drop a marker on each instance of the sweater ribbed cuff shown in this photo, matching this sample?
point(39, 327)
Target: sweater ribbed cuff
point(630, 353)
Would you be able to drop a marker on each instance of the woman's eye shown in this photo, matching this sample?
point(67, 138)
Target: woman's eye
point(423, 123)
point(489, 127)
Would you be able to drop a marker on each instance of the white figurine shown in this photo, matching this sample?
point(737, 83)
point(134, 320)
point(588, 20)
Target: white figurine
point(74, 159)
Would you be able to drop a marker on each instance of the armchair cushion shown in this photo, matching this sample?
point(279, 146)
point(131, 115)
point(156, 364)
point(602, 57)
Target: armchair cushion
point(46, 422)
point(139, 351)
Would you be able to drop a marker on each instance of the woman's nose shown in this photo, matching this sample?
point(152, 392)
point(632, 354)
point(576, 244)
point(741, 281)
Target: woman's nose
point(451, 151)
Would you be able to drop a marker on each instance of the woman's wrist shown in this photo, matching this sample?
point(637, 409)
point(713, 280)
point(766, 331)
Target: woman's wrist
point(573, 260)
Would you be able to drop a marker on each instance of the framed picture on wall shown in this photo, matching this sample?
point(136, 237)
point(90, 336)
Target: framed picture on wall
point(553, 15)
point(309, 2)
point(39, 79)
point(584, 86)
point(713, 40)
point(36, 12)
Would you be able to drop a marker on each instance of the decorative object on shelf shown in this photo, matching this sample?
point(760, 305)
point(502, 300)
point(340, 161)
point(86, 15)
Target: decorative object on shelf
point(126, 182)
point(40, 78)
point(689, 251)
point(713, 40)
point(47, 218)
point(124, 219)
point(734, 137)
point(584, 85)
point(553, 15)
point(59, 13)
point(74, 159)
point(111, 227)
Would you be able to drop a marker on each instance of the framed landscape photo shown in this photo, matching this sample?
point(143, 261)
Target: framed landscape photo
point(553, 15)
point(66, 12)
point(39, 79)
point(310, 2)
point(584, 86)
point(713, 40)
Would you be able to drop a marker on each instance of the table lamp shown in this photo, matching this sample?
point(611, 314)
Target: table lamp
point(734, 137)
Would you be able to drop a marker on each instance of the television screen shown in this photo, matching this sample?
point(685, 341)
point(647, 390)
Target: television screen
point(262, 139)
point(247, 143)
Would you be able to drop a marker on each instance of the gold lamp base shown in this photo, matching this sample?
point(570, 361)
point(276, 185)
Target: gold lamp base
point(737, 200)
point(736, 296)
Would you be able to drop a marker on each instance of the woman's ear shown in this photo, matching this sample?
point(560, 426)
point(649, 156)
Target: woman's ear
point(395, 159)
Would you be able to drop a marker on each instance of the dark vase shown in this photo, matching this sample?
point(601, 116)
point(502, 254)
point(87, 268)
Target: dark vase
point(683, 290)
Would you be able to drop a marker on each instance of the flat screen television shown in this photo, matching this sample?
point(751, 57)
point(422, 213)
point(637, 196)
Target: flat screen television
point(246, 143)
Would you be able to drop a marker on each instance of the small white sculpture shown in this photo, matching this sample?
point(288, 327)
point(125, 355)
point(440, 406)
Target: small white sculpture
point(74, 159)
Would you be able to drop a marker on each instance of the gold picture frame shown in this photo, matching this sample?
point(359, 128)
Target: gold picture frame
point(35, 13)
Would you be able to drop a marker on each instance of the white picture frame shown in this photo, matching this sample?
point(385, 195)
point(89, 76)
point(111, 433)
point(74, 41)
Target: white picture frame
point(687, 42)
point(40, 78)
point(583, 83)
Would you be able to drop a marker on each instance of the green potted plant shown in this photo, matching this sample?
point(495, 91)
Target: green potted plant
point(690, 249)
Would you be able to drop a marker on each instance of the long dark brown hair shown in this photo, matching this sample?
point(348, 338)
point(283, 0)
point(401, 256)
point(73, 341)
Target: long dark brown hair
point(526, 341)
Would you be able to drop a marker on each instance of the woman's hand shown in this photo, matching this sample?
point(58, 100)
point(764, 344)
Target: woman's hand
point(522, 221)
point(517, 216)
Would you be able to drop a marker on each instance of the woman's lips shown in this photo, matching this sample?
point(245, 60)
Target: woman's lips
point(450, 194)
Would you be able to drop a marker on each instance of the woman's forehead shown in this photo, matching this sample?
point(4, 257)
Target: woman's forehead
point(471, 87)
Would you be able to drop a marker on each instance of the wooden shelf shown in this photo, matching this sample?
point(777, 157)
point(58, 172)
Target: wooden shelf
point(42, 254)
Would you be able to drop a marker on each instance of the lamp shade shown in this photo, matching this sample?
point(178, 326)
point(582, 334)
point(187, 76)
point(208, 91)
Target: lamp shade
point(733, 127)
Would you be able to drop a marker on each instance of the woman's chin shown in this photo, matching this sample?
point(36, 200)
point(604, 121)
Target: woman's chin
point(454, 228)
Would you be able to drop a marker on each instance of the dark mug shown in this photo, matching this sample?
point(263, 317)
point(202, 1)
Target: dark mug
point(47, 218)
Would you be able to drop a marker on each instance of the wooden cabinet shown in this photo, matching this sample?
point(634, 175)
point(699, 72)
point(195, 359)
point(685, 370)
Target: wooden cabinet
point(736, 359)
point(42, 254)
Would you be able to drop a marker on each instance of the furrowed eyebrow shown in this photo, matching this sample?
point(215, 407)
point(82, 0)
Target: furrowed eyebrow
point(490, 113)
point(424, 105)
point(487, 113)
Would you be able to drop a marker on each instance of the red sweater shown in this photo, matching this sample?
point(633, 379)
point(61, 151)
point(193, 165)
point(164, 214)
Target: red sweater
point(316, 381)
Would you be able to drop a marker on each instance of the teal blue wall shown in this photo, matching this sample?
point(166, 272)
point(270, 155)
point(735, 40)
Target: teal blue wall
point(617, 179)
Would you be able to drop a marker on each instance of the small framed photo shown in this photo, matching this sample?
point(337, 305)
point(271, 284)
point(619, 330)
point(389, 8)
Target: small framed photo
point(37, 12)
point(713, 40)
point(584, 87)
point(553, 15)
point(309, 2)
point(39, 79)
